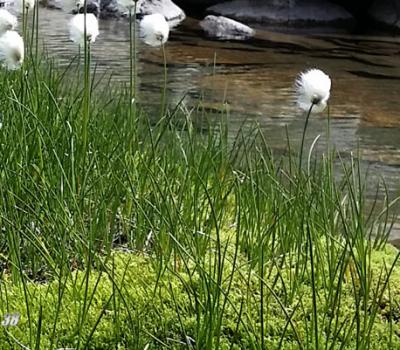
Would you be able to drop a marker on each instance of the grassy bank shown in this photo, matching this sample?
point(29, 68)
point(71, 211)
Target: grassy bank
point(123, 230)
point(131, 306)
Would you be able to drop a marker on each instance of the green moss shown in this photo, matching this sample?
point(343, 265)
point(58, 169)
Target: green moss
point(129, 305)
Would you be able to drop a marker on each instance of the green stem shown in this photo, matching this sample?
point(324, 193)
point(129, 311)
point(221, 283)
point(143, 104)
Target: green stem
point(32, 34)
point(164, 91)
point(131, 58)
point(303, 136)
point(329, 130)
point(86, 107)
point(314, 287)
point(135, 72)
point(25, 26)
point(37, 31)
point(132, 75)
point(86, 98)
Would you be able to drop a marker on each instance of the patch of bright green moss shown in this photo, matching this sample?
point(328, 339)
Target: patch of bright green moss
point(133, 304)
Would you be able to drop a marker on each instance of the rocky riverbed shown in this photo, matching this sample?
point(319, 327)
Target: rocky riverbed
point(284, 14)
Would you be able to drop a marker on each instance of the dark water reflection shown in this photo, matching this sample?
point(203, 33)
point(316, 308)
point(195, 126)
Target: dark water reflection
point(256, 80)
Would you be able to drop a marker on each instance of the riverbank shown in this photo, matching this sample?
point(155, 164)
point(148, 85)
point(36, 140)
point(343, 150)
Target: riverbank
point(170, 232)
point(353, 16)
point(134, 227)
point(195, 303)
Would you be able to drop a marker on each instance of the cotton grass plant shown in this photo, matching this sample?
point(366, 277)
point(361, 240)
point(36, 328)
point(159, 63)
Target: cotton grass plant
point(24, 5)
point(131, 7)
point(312, 91)
point(154, 31)
point(25, 8)
point(83, 28)
point(7, 21)
point(11, 50)
point(83, 31)
point(204, 239)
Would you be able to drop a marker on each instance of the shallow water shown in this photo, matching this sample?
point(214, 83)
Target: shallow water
point(255, 80)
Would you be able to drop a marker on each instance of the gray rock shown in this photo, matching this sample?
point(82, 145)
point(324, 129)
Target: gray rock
point(110, 8)
point(92, 6)
point(202, 3)
point(386, 13)
point(173, 14)
point(284, 12)
point(55, 4)
point(224, 28)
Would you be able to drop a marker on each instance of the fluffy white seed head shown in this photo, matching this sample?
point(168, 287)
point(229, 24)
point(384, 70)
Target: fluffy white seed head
point(27, 4)
point(313, 88)
point(7, 21)
point(154, 29)
point(127, 4)
point(77, 28)
point(11, 50)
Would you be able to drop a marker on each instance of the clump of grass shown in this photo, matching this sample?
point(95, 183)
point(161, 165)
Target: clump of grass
point(227, 245)
point(130, 307)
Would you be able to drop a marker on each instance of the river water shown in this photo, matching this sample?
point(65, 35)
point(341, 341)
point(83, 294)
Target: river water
point(255, 81)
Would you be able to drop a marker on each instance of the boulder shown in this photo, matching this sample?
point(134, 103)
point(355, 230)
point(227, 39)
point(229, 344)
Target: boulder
point(386, 13)
point(196, 7)
point(92, 6)
point(173, 14)
point(203, 3)
point(224, 28)
point(110, 9)
point(74, 6)
point(55, 4)
point(284, 12)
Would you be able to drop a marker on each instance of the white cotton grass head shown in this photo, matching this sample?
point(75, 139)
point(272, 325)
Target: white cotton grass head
point(313, 89)
point(77, 28)
point(11, 50)
point(127, 4)
point(154, 29)
point(27, 4)
point(7, 21)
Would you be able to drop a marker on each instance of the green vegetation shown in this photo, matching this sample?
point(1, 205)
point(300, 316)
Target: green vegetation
point(131, 306)
point(125, 231)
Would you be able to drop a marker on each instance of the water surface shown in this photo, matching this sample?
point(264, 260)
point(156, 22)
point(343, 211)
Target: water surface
point(255, 80)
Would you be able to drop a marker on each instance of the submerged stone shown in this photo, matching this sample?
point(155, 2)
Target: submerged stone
point(110, 8)
point(386, 13)
point(224, 28)
point(172, 13)
point(285, 13)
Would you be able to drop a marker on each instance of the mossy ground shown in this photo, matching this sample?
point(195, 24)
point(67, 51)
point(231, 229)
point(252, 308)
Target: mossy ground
point(295, 270)
point(130, 304)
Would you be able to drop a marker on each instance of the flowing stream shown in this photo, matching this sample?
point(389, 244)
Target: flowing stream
point(254, 81)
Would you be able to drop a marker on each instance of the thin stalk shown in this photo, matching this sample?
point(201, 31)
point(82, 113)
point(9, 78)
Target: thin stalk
point(34, 40)
point(314, 294)
point(135, 72)
point(329, 130)
point(25, 27)
point(131, 63)
point(132, 134)
point(164, 91)
point(86, 102)
point(86, 106)
point(37, 32)
point(303, 136)
point(262, 300)
point(132, 72)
